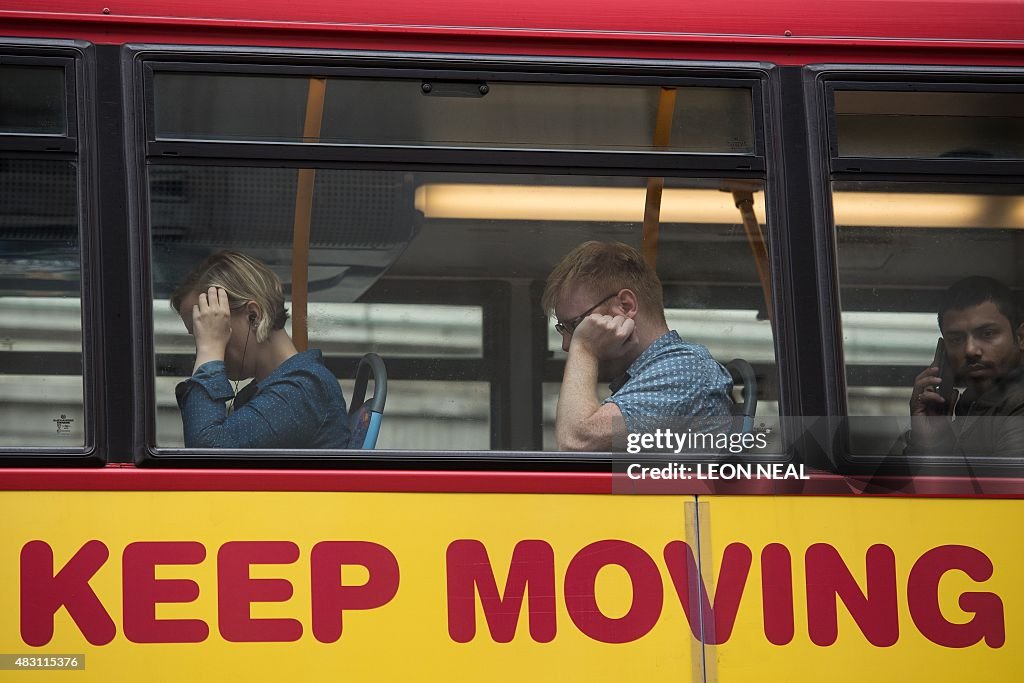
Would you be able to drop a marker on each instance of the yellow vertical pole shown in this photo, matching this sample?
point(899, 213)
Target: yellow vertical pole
point(304, 217)
point(655, 186)
point(744, 200)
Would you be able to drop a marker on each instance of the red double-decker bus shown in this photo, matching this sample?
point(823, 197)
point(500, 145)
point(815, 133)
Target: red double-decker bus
point(807, 179)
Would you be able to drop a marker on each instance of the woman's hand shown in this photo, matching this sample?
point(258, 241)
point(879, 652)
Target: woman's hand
point(211, 325)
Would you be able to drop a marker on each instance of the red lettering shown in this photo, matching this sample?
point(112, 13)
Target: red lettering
point(331, 597)
point(829, 578)
point(777, 593)
point(142, 591)
point(923, 598)
point(581, 601)
point(709, 624)
point(43, 593)
point(469, 572)
point(236, 591)
point(531, 579)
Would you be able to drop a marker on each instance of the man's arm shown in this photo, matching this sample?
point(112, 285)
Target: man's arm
point(581, 422)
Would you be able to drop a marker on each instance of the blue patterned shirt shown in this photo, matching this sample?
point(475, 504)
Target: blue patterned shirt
point(673, 378)
point(298, 405)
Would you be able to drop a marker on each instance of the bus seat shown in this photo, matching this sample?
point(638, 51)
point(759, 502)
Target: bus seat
point(743, 373)
point(365, 416)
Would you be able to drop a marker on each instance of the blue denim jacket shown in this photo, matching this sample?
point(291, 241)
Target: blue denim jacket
point(298, 405)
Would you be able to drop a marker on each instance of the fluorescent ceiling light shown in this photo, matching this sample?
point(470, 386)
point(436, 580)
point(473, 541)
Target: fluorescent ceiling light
point(686, 205)
point(570, 203)
point(921, 210)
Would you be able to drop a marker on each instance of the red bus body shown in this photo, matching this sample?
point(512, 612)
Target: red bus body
point(979, 516)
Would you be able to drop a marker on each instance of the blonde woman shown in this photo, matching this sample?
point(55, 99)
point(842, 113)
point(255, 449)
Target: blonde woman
point(234, 307)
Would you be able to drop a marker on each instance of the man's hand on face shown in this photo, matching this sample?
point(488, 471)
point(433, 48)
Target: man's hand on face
point(605, 337)
point(929, 413)
point(925, 401)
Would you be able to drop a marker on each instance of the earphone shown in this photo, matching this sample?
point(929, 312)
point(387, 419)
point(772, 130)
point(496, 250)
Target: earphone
point(252, 326)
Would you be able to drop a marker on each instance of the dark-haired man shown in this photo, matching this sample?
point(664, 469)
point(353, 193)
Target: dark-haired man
point(984, 339)
point(608, 304)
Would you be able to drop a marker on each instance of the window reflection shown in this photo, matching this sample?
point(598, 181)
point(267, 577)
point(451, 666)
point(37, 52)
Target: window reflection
point(41, 396)
point(900, 246)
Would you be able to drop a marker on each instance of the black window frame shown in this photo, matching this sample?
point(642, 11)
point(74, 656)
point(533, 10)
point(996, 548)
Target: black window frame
point(141, 61)
point(827, 167)
point(901, 165)
point(51, 57)
point(77, 145)
point(445, 69)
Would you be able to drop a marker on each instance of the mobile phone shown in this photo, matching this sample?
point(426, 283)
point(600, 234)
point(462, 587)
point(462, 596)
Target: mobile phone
point(945, 388)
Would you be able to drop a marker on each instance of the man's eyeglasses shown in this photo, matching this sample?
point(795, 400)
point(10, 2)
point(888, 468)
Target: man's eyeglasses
point(569, 326)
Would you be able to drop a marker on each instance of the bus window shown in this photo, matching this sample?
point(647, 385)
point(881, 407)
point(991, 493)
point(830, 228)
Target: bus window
point(436, 415)
point(471, 233)
point(32, 100)
point(928, 264)
point(900, 246)
point(710, 285)
point(440, 271)
point(435, 339)
point(432, 112)
point(41, 385)
point(935, 124)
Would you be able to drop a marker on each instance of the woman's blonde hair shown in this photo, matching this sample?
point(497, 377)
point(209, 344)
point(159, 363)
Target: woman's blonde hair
point(245, 279)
